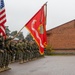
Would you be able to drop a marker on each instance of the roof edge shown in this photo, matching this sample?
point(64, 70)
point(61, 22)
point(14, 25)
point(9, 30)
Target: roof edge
point(61, 25)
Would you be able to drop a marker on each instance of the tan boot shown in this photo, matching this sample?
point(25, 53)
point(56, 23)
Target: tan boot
point(2, 69)
point(7, 68)
point(13, 61)
point(21, 62)
point(24, 61)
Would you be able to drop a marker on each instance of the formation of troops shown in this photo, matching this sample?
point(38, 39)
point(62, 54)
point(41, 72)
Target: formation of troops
point(16, 51)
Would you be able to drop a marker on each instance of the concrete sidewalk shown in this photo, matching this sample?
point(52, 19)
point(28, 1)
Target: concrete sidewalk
point(49, 65)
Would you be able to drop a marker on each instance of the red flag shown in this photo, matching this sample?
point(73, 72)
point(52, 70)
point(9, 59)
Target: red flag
point(37, 27)
point(2, 18)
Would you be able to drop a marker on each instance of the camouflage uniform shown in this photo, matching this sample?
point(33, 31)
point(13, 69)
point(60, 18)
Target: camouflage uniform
point(31, 51)
point(7, 53)
point(13, 50)
point(24, 51)
point(16, 52)
point(20, 51)
point(1, 53)
point(28, 51)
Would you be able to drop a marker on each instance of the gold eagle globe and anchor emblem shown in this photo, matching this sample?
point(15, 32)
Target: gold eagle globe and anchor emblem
point(41, 29)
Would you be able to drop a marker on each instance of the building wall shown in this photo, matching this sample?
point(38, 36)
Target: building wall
point(62, 37)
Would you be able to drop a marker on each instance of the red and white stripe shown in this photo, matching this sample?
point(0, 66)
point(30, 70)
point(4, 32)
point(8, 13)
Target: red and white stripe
point(2, 21)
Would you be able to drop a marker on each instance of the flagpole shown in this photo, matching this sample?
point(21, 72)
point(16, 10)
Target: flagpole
point(18, 32)
point(45, 3)
point(46, 12)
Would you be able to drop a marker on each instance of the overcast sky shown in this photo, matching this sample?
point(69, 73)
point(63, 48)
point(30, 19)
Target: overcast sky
point(19, 12)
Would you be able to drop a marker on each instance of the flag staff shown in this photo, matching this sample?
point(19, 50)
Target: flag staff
point(18, 32)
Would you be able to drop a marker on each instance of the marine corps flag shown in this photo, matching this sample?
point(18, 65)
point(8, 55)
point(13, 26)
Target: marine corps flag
point(37, 27)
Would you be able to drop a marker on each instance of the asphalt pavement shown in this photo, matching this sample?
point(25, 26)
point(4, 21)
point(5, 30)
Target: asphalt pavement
point(49, 65)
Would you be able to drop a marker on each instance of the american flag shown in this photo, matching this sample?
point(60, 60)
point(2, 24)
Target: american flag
point(2, 18)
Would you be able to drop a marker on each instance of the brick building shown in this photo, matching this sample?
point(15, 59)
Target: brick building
point(62, 38)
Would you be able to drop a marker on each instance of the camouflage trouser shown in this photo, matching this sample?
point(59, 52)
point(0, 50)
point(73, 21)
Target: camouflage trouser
point(16, 55)
point(1, 59)
point(24, 56)
point(27, 55)
point(6, 59)
point(36, 54)
point(12, 56)
point(8, 56)
point(31, 55)
point(20, 55)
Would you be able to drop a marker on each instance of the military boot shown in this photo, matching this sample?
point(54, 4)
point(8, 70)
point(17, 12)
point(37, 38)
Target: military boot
point(21, 62)
point(2, 69)
point(24, 61)
point(7, 68)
